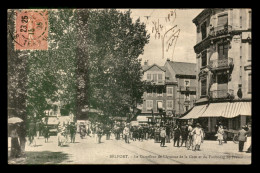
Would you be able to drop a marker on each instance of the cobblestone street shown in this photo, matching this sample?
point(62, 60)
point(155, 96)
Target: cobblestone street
point(87, 151)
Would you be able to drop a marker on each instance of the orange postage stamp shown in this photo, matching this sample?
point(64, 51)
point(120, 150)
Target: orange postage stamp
point(31, 30)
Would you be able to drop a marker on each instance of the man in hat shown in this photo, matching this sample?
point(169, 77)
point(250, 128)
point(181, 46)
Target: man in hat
point(163, 136)
point(126, 133)
point(242, 138)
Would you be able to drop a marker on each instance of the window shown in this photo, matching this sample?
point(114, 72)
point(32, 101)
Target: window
point(159, 92)
point(169, 104)
point(222, 78)
point(149, 93)
point(155, 77)
point(204, 30)
point(187, 108)
point(223, 51)
point(223, 20)
point(169, 91)
point(249, 83)
point(204, 87)
point(148, 76)
point(204, 58)
point(149, 104)
point(187, 97)
point(249, 51)
point(159, 105)
point(160, 78)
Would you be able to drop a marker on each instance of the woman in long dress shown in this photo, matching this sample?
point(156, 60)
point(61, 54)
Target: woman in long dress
point(220, 134)
point(198, 136)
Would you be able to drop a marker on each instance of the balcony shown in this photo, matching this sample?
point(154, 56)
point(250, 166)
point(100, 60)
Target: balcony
point(221, 63)
point(221, 94)
point(187, 89)
point(220, 30)
point(158, 82)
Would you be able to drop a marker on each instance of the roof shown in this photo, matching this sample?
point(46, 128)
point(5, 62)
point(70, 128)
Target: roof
point(146, 67)
point(183, 68)
point(200, 15)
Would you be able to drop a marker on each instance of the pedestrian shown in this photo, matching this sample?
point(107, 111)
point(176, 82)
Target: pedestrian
point(126, 133)
point(131, 132)
point(190, 135)
point(46, 133)
point(140, 133)
point(99, 133)
point(220, 134)
point(163, 136)
point(15, 146)
point(248, 140)
point(168, 133)
point(225, 134)
point(177, 134)
point(197, 138)
point(184, 134)
point(38, 128)
point(82, 130)
point(107, 132)
point(72, 131)
point(241, 138)
point(32, 132)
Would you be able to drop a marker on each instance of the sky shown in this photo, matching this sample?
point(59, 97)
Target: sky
point(178, 41)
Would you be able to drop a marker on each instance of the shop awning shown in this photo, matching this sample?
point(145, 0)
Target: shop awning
point(238, 108)
point(227, 109)
point(195, 112)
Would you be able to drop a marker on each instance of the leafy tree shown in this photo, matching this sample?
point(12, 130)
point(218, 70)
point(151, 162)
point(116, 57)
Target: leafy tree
point(110, 44)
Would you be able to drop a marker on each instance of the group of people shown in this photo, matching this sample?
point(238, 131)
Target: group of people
point(189, 135)
point(37, 128)
point(64, 131)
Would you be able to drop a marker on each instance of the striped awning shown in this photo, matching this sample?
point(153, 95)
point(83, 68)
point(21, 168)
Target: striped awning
point(227, 109)
point(238, 108)
point(195, 112)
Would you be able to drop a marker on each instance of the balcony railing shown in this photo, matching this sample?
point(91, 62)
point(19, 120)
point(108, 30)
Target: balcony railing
point(220, 30)
point(158, 82)
point(216, 94)
point(221, 63)
point(187, 88)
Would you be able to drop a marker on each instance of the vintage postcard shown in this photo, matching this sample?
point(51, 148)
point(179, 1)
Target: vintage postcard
point(129, 86)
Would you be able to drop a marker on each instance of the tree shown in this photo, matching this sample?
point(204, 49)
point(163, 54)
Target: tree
point(37, 78)
point(110, 44)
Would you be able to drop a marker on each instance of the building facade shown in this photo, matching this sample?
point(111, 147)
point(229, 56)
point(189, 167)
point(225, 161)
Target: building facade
point(184, 74)
point(172, 91)
point(223, 55)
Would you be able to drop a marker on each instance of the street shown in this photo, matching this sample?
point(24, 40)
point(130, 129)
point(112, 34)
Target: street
point(87, 151)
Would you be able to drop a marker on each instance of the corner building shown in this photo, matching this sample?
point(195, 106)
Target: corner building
point(223, 55)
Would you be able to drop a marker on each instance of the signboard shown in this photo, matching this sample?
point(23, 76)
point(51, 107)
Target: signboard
point(237, 38)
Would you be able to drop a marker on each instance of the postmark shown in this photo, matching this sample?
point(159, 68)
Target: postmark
point(31, 30)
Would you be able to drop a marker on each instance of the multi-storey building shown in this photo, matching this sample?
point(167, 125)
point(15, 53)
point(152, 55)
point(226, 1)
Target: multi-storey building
point(184, 74)
point(171, 93)
point(223, 54)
